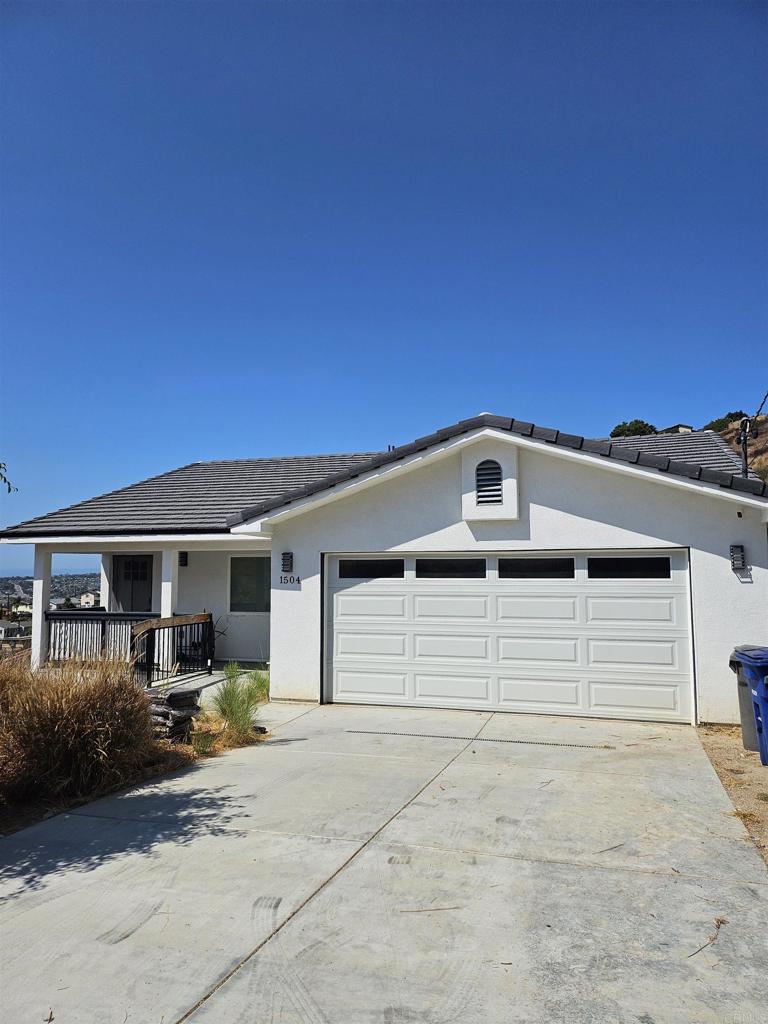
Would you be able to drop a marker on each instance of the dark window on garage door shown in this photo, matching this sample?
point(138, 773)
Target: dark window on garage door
point(536, 569)
point(450, 568)
point(371, 568)
point(627, 568)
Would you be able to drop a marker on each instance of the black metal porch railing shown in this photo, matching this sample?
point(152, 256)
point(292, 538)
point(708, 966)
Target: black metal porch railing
point(162, 648)
point(84, 633)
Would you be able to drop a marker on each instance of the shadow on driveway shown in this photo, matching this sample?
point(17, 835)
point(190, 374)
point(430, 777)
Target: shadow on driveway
point(135, 821)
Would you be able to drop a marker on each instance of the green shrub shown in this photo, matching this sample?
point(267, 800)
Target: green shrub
point(232, 671)
point(258, 680)
point(236, 702)
point(725, 421)
point(73, 730)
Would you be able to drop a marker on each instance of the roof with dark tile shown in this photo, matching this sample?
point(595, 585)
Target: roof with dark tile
point(212, 497)
point(702, 447)
point(193, 499)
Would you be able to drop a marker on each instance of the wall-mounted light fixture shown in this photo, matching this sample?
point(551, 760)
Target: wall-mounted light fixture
point(183, 559)
point(738, 557)
point(286, 561)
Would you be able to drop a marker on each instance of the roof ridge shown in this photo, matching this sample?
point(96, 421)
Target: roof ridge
point(660, 433)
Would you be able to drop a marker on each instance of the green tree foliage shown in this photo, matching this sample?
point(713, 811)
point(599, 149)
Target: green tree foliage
point(722, 421)
point(633, 428)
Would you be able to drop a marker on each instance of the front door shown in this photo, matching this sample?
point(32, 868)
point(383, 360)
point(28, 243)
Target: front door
point(132, 583)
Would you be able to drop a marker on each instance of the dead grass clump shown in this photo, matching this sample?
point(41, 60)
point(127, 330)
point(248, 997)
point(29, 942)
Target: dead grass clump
point(748, 817)
point(71, 731)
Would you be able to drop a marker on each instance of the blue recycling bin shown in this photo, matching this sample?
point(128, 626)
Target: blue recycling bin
point(754, 664)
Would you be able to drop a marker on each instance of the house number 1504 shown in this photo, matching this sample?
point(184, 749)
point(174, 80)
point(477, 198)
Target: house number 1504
point(290, 579)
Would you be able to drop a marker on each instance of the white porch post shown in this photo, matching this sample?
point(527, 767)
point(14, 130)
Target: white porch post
point(41, 599)
point(169, 582)
point(106, 581)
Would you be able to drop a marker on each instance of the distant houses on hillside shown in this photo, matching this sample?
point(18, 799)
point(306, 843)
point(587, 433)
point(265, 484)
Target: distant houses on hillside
point(8, 630)
point(90, 599)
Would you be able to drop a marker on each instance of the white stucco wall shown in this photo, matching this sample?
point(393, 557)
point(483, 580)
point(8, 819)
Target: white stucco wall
point(204, 586)
point(563, 505)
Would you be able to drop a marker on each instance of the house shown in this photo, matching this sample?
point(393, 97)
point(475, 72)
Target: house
point(90, 599)
point(9, 629)
point(492, 564)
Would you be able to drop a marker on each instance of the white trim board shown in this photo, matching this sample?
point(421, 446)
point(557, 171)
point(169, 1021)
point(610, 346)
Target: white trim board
point(149, 541)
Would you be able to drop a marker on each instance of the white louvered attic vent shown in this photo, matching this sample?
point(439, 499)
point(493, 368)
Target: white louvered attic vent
point(488, 483)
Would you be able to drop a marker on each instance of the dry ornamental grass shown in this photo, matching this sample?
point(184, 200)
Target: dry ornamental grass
point(71, 731)
point(75, 731)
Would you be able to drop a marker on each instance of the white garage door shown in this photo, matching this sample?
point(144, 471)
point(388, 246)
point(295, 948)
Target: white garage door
point(603, 634)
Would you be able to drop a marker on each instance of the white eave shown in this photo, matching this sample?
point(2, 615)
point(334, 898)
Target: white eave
point(148, 541)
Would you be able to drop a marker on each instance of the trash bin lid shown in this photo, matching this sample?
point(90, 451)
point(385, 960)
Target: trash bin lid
point(751, 655)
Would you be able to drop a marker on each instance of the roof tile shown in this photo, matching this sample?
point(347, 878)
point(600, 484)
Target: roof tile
point(596, 447)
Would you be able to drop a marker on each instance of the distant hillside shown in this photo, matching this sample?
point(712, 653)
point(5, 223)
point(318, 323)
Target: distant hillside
point(758, 447)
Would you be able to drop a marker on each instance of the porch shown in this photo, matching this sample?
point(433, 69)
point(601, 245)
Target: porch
point(160, 649)
point(205, 601)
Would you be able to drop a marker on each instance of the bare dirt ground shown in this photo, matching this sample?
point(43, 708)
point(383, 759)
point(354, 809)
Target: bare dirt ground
point(744, 778)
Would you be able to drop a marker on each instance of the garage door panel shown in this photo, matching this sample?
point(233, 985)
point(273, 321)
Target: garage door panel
point(376, 606)
point(554, 692)
point(447, 645)
point(371, 645)
point(450, 607)
point(452, 687)
point(624, 696)
point(524, 607)
point(544, 649)
point(645, 654)
point(608, 648)
point(637, 611)
point(361, 683)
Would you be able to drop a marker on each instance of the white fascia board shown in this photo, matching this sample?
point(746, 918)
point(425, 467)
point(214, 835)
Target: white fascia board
point(439, 451)
point(147, 541)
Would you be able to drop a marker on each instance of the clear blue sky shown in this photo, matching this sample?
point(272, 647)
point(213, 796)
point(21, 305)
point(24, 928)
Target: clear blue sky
point(243, 229)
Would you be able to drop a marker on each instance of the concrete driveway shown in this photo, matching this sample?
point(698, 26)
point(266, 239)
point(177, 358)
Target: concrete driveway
point(492, 869)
